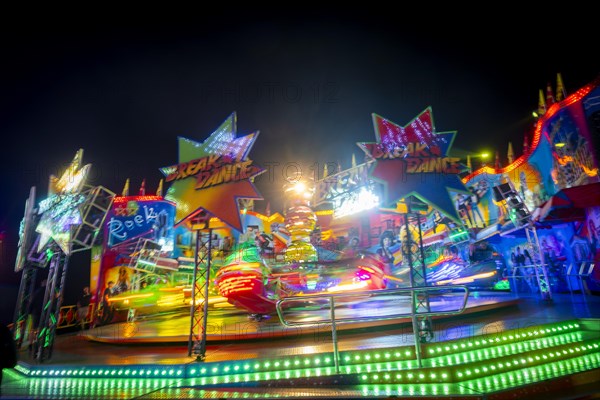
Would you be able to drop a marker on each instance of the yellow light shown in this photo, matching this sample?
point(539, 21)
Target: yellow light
point(485, 155)
point(559, 145)
point(299, 187)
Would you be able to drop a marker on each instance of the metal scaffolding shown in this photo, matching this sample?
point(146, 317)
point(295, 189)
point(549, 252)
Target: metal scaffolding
point(415, 259)
point(201, 280)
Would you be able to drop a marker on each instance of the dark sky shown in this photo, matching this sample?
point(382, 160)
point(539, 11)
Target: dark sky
point(124, 90)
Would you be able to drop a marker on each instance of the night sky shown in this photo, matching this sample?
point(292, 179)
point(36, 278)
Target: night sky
point(125, 90)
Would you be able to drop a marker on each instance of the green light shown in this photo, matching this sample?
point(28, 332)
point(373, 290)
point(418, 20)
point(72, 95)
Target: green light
point(203, 371)
point(421, 376)
point(387, 355)
point(363, 377)
point(236, 368)
point(357, 358)
point(317, 361)
point(367, 357)
point(409, 376)
point(346, 358)
point(375, 377)
point(459, 374)
point(267, 364)
point(328, 360)
point(246, 367)
point(276, 364)
point(256, 366)
point(297, 362)
point(306, 362)
point(387, 376)
point(407, 353)
point(226, 369)
point(215, 369)
point(179, 372)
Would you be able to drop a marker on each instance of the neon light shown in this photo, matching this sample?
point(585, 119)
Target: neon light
point(355, 202)
point(349, 286)
point(127, 199)
point(575, 97)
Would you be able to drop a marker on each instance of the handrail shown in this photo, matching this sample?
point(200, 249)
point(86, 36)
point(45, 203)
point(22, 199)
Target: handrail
point(333, 320)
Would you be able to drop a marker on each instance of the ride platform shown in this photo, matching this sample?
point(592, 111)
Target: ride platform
point(534, 349)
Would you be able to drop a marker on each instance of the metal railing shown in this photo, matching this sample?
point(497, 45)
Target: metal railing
point(346, 295)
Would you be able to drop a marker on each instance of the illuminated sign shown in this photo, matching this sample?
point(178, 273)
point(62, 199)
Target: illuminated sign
point(214, 170)
point(419, 157)
point(412, 160)
point(354, 202)
point(148, 219)
point(341, 183)
point(211, 176)
point(60, 212)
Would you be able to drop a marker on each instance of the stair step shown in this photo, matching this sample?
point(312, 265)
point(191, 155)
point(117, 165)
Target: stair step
point(392, 374)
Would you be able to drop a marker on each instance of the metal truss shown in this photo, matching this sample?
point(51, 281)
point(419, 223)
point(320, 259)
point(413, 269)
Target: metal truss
point(539, 263)
point(53, 297)
point(199, 304)
point(415, 258)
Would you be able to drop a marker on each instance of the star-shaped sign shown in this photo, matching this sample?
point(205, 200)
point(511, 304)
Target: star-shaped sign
point(212, 175)
point(413, 160)
point(61, 210)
